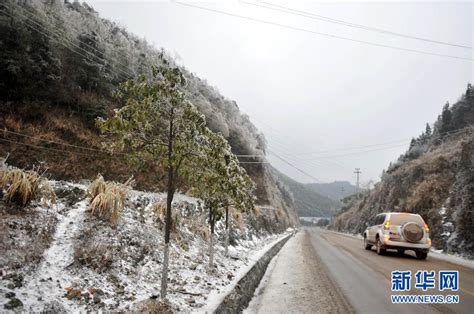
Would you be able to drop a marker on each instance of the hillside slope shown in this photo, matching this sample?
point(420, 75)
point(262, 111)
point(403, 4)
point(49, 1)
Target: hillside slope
point(60, 63)
point(434, 178)
point(336, 190)
point(308, 202)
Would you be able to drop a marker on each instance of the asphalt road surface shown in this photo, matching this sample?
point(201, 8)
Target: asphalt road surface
point(318, 268)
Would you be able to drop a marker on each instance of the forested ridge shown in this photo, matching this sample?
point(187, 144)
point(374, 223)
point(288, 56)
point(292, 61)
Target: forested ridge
point(308, 202)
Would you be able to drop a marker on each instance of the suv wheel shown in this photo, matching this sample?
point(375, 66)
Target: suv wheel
point(378, 246)
point(421, 255)
point(367, 246)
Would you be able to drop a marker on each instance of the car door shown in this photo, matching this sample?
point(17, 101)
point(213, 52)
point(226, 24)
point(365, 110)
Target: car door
point(370, 229)
point(378, 222)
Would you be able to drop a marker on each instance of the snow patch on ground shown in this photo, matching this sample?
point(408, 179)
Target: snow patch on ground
point(46, 283)
point(454, 259)
point(216, 297)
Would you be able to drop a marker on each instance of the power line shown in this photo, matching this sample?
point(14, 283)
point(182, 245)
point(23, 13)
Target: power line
point(395, 142)
point(311, 163)
point(368, 151)
point(107, 154)
point(293, 166)
point(447, 134)
point(284, 145)
point(275, 7)
point(354, 153)
point(320, 33)
point(51, 149)
point(59, 143)
point(284, 150)
point(354, 147)
point(89, 155)
point(341, 155)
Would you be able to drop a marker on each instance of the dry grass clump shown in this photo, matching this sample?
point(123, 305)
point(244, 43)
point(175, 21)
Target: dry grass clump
point(99, 256)
point(159, 210)
point(200, 229)
point(153, 306)
point(23, 186)
point(238, 217)
point(257, 211)
point(96, 187)
point(107, 198)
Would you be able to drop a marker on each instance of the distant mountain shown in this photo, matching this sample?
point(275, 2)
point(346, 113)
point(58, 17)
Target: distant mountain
point(336, 190)
point(308, 203)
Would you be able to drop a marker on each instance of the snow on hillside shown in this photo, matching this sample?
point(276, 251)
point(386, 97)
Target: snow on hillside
point(89, 266)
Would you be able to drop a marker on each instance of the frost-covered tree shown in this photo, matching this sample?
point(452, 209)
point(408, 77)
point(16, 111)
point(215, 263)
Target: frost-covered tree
point(242, 198)
point(222, 184)
point(428, 130)
point(445, 119)
point(157, 124)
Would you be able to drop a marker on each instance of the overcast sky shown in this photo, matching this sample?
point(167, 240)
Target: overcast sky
point(359, 104)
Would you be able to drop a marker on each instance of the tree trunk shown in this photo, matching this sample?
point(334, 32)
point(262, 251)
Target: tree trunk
point(169, 201)
point(226, 231)
point(164, 275)
point(142, 214)
point(211, 241)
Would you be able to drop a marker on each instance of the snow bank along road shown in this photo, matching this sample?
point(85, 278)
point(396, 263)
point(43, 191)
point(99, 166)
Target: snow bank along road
point(361, 277)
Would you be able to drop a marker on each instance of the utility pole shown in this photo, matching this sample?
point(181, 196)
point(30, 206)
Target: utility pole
point(357, 172)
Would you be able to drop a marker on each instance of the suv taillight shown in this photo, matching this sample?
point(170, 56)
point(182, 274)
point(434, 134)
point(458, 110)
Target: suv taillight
point(426, 228)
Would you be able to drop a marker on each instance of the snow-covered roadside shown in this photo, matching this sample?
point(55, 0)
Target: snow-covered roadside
point(454, 259)
point(253, 305)
point(216, 297)
point(118, 269)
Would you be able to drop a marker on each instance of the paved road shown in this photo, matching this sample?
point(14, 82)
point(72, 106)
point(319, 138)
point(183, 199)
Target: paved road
point(320, 271)
point(364, 276)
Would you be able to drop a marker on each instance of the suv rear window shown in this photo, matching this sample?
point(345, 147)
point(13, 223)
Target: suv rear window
point(400, 219)
point(379, 219)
